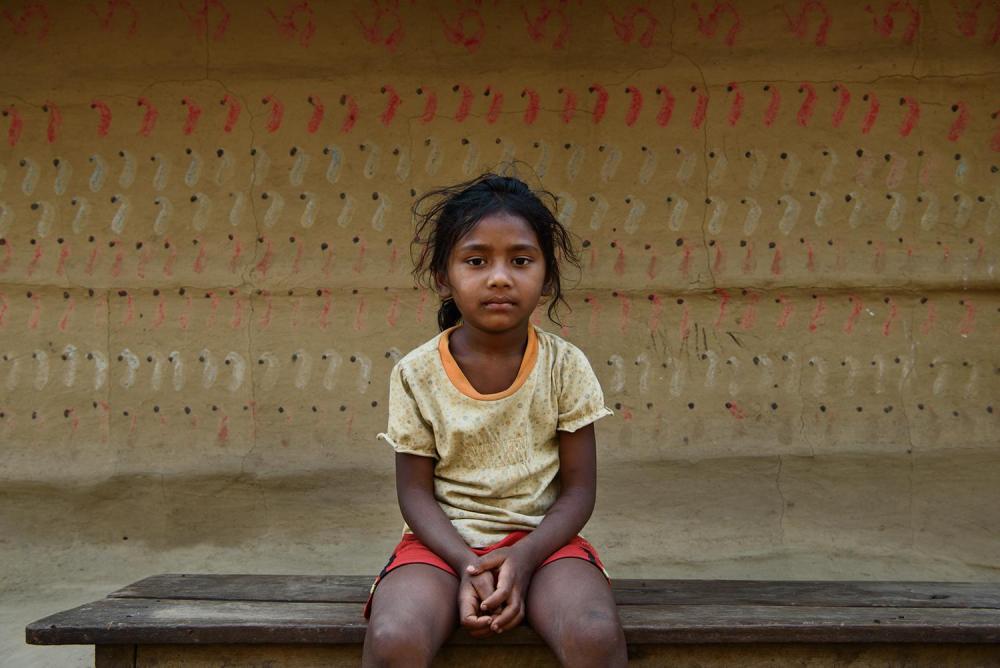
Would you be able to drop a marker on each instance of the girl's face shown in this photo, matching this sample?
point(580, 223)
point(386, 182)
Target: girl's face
point(496, 273)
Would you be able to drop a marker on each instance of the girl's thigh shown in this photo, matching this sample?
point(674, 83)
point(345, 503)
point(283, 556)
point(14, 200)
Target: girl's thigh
point(570, 604)
point(415, 601)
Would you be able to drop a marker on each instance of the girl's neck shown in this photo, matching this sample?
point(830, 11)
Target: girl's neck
point(468, 339)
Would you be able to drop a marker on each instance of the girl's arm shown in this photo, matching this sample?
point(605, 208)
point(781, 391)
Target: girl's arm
point(415, 490)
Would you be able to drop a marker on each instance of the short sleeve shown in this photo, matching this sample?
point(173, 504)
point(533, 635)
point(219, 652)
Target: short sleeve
point(581, 400)
point(408, 431)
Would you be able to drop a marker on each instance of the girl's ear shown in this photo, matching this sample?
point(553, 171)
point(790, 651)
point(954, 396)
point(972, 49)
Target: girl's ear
point(441, 286)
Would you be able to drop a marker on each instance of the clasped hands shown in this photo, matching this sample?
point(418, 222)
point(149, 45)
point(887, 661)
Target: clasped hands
point(493, 591)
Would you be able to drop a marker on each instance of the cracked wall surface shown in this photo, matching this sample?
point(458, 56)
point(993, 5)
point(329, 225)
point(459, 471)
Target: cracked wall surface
point(788, 216)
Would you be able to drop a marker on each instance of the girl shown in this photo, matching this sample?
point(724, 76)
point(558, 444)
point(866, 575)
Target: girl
point(492, 425)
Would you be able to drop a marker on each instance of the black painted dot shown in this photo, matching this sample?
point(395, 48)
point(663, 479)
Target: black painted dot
point(691, 405)
point(859, 409)
point(822, 408)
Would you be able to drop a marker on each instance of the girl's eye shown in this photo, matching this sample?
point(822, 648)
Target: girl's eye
point(522, 261)
point(475, 261)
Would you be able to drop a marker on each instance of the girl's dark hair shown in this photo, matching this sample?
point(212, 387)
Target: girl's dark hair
point(445, 215)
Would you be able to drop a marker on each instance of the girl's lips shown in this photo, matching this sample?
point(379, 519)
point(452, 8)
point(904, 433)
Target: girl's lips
point(498, 306)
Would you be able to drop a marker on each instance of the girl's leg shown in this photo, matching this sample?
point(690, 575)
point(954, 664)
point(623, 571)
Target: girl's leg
point(414, 611)
point(571, 606)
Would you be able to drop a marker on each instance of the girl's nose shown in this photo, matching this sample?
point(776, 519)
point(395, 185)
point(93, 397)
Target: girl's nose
point(499, 276)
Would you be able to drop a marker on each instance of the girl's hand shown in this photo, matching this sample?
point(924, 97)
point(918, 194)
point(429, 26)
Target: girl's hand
point(514, 576)
point(472, 590)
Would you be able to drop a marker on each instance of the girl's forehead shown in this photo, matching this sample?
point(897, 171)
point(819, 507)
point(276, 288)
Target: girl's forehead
point(501, 224)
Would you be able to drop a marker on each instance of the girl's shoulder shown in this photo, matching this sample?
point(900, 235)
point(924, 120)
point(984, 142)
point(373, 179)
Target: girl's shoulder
point(418, 358)
point(558, 350)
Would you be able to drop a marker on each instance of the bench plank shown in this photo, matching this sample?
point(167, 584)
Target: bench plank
point(149, 621)
point(354, 589)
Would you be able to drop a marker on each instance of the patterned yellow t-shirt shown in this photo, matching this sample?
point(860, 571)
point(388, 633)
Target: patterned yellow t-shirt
point(497, 454)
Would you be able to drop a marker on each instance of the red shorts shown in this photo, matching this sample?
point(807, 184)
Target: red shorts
point(411, 551)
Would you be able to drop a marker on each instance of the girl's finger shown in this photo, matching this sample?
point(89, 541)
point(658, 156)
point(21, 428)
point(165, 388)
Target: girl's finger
point(509, 618)
point(486, 563)
point(496, 598)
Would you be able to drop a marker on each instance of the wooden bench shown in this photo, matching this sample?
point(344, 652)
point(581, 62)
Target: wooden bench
point(295, 620)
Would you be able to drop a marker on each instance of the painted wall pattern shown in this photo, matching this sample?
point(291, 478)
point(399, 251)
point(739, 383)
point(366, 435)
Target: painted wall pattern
point(789, 216)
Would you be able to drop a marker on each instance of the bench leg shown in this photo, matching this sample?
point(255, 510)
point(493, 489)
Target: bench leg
point(114, 656)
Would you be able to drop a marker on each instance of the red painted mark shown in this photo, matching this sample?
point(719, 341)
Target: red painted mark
point(4, 307)
point(467, 30)
point(239, 305)
point(22, 24)
point(776, 261)
point(265, 319)
point(569, 104)
point(36, 312)
point(626, 26)
point(799, 25)
point(685, 323)
point(199, 260)
point(995, 139)
point(391, 105)
point(595, 313)
point(842, 104)
point(352, 113)
point(623, 315)
point(601, 103)
point(392, 316)
point(420, 308)
point(872, 115)
point(773, 106)
point(878, 263)
point(67, 314)
point(961, 121)
point(748, 318)
point(385, 27)
point(129, 316)
point(735, 410)
point(720, 259)
point(857, 306)
point(161, 312)
point(817, 314)
point(885, 25)
point(91, 261)
point(928, 324)
point(748, 260)
point(359, 315)
point(116, 265)
point(736, 106)
point(193, 114)
point(16, 126)
point(685, 267)
point(55, 121)
point(276, 115)
point(148, 118)
point(265, 262)
point(288, 24)
point(723, 303)
point(808, 105)
point(893, 312)
point(700, 109)
point(235, 257)
point(496, 105)
point(619, 266)
point(653, 268)
point(968, 320)
point(199, 17)
point(63, 256)
point(359, 263)
point(786, 312)
point(232, 112)
point(912, 115)
point(222, 433)
point(36, 257)
point(655, 311)
point(531, 111)
point(103, 117)
point(537, 25)
point(297, 262)
point(430, 107)
point(634, 105)
point(316, 119)
point(709, 24)
point(464, 103)
point(111, 9)
point(667, 108)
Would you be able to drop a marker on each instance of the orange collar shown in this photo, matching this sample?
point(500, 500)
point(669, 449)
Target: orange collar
point(462, 384)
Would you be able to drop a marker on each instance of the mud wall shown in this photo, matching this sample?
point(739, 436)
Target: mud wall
point(788, 215)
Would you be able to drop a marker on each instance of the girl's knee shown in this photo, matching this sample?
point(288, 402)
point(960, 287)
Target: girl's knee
point(392, 642)
point(593, 637)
